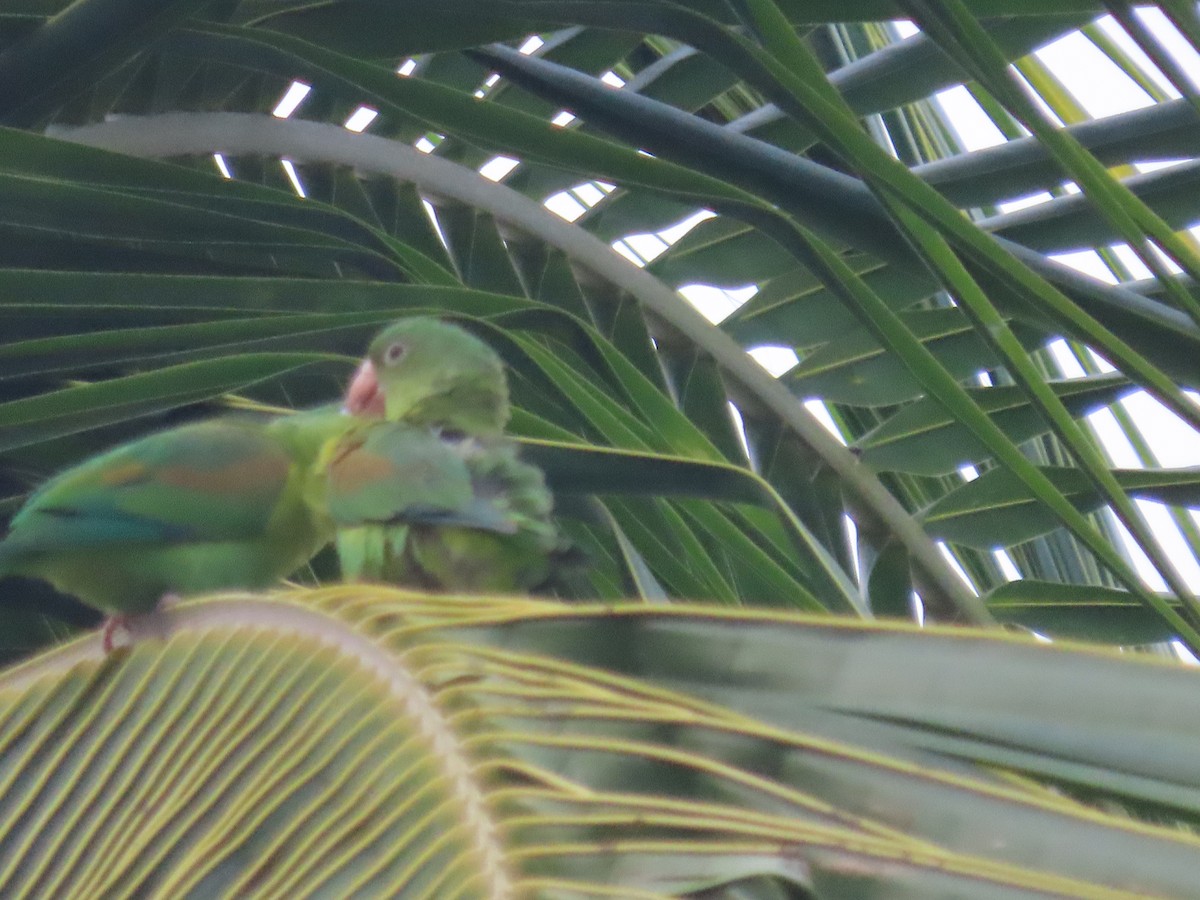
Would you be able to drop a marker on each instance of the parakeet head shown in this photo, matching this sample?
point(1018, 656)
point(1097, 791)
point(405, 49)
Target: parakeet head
point(429, 372)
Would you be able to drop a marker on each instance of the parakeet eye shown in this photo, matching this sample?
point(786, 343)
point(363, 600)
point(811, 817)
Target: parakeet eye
point(394, 353)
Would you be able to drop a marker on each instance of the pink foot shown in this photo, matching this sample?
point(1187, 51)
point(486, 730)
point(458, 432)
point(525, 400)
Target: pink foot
point(111, 624)
point(169, 599)
point(123, 620)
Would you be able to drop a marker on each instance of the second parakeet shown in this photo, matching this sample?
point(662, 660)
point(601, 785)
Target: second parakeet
point(489, 528)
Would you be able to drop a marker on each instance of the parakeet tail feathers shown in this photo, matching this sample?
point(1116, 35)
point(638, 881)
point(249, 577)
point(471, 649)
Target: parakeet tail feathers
point(480, 515)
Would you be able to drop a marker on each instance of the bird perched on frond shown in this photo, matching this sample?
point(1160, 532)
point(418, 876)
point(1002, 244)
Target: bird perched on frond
point(202, 507)
point(462, 511)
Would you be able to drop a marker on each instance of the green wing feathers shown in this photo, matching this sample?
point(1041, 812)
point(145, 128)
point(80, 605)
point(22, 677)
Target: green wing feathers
point(202, 507)
point(198, 482)
point(392, 472)
point(451, 514)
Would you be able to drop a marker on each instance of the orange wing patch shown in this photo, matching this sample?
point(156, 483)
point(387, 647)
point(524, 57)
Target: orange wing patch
point(130, 472)
point(357, 471)
point(252, 473)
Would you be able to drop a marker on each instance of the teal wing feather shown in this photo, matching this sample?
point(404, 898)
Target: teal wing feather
point(403, 474)
point(206, 482)
point(450, 513)
point(514, 490)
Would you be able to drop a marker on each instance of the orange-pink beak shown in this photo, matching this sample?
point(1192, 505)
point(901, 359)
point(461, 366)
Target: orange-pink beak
point(363, 397)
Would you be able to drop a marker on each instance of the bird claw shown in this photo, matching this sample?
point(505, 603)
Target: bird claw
point(169, 599)
point(111, 624)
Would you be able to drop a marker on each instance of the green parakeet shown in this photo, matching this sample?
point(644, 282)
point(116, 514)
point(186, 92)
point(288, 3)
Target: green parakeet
point(463, 512)
point(216, 505)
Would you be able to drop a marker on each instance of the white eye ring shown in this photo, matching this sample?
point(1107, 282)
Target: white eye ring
point(394, 353)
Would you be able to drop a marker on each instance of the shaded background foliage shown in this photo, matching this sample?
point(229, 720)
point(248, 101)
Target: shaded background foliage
point(140, 293)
